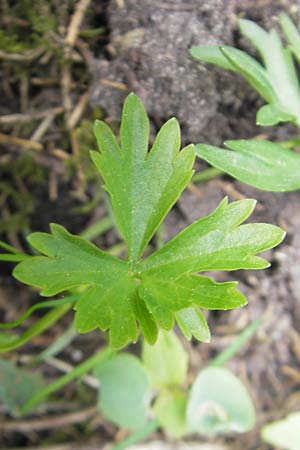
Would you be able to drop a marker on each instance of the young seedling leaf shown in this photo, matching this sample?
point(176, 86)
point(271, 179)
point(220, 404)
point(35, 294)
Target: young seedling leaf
point(212, 54)
point(170, 410)
point(252, 71)
point(143, 186)
point(125, 296)
point(269, 115)
point(219, 403)
point(291, 33)
point(124, 395)
point(261, 164)
point(276, 81)
point(284, 433)
point(278, 63)
point(166, 362)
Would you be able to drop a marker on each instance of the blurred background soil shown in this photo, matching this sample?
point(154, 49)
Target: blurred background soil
point(65, 63)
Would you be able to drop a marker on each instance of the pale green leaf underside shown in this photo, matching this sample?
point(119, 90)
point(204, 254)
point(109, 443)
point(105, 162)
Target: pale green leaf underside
point(261, 164)
point(170, 411)
point(166, 362)
point(143, 186)
point(121, 298)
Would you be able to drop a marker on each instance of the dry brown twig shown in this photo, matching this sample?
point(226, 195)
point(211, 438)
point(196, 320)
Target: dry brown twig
point(24, 144)
point(76, 21)
point(78, 110)
point(49, 422)
point(66, 368)
point(28, 117)
point(71, 118)
point(22, 57)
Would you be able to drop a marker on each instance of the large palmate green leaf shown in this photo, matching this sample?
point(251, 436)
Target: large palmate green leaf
point(276, 81)
point(111, 297)
point(261, 164)
point(125, 296)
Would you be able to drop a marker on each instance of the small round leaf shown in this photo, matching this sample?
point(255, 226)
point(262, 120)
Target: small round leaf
point(124, 396)
point(218, 403)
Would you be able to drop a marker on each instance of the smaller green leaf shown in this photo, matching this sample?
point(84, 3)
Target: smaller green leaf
point(261, 164)
point(284, 433)
point(124, 396)
point(162, 297)
point(166, 362)
point(292, 34)
point(252, 71)
point(213, 55)
point(192, 322)
point(219, 403)
point(279, 65)
point(257, 35)
point(269, 115)
point(17, 386)
point(170, 410)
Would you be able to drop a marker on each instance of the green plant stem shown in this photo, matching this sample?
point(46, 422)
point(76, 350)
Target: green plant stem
point(60, 344)
point(47, 304)
point(137, 436)
point(41, 325)
point(237, 344)
point(8, 247)
point(13, 257)
point(98, 228)
point(77, 372)
point(206, 175)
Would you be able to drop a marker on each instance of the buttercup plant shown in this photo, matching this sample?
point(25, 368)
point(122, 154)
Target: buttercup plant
point(135, 294)
point(262, 164)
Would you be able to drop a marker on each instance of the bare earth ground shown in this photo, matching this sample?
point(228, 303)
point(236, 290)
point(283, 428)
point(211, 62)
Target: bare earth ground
point(143, 47)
